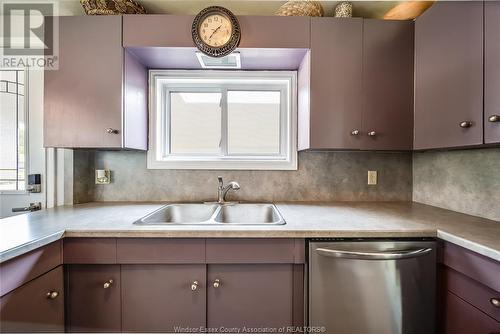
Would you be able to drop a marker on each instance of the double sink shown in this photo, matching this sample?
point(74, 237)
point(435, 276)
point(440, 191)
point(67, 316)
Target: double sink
point(214, 214)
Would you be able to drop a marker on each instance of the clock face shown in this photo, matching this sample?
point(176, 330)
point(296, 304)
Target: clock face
point(215, 30)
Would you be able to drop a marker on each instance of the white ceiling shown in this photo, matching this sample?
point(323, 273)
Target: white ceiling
point(373, 9)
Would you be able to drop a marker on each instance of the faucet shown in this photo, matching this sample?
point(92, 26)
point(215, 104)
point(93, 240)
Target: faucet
point(222, 191)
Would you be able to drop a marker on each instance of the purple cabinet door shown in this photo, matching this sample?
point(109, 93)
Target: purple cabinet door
point(463, 318)
point(336, 83)
point(83, 97)
point(93, 301)
point(163, 298)
point(491, 72)
point(251, 295)
point(37, 306)
point(387, 85)
point(449, 75)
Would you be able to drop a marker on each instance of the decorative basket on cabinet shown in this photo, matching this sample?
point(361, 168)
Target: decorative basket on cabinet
point(301, 8)
point(112, 7)
point(343, 9)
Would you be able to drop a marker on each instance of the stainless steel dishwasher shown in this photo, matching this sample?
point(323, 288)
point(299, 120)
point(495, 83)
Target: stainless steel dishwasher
point(372, 287)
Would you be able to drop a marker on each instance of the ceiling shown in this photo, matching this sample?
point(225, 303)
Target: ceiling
point(369, 9)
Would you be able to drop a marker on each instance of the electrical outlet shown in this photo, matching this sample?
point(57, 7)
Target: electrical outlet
point(372, 177)
point(102, 176)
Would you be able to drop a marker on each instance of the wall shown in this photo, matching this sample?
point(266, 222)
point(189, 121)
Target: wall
point(322, 176)
point(466, 181)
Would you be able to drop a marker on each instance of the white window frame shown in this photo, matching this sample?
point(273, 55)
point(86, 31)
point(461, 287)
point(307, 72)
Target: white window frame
point(162, 82)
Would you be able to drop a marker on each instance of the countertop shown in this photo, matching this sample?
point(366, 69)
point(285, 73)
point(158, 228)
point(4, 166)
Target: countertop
point(22, 233)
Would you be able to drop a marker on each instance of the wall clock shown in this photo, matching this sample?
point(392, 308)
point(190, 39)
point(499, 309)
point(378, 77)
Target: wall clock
point(216, 31)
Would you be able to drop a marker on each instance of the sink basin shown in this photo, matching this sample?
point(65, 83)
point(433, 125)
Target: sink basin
point(214, 214)
point(249, 214)
point(180, 214)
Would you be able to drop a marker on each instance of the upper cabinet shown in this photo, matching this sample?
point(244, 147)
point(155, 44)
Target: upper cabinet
point(449, 75)
point(141, 31)
point(335, 84)
point(387, 85)
point(491, 72)
point(98, 96)
point(361, 85)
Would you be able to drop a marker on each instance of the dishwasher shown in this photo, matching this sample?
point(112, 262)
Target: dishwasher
point(372, 287)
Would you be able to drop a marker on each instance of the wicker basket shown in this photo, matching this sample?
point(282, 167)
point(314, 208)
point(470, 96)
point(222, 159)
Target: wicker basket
point(301, 8)
point(343, 9)
point(111, 7)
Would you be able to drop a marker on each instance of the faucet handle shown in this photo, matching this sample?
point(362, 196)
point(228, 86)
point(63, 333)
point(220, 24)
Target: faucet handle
point(221, 182)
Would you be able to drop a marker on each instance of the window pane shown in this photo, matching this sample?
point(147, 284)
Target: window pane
point(12, 132)
point(253, 122)
point(195, 123)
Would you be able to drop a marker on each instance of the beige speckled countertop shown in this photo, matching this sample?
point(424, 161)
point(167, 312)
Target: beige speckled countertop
point(20, 234)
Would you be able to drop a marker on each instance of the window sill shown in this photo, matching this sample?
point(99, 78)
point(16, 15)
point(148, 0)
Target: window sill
point(291, 164)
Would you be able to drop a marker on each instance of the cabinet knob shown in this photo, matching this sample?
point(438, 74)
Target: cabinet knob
point(194, 286)
point(494, 118)
point(495, 302)
point(112, 131)
point(372, 133)
point(108, 284)
point(355, 132)
point(52, 294)
point(216, 283)
point(465, 124)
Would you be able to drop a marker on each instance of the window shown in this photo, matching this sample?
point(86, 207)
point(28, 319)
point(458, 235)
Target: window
point(13, 128)
point(222, 120)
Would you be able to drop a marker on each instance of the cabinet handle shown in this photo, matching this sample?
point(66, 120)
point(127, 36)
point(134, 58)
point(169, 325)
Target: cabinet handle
point(194, 286)
point(108, 284)
point(52, 294)
point(112, 131)
point(372, 133)
point(216, 283)
point(354, 132)
point(495, 302)
point(494, 118)
point(465, 124)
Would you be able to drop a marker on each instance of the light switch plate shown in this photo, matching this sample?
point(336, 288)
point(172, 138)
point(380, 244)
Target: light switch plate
point(372, 177)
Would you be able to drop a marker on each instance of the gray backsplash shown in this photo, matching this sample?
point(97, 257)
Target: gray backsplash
point(83, 176)
point(466, 181)
point(322, 176)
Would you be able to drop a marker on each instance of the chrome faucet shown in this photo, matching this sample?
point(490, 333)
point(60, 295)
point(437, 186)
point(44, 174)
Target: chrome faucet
point(222, 191)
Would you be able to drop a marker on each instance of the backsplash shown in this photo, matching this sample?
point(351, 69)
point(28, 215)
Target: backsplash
point(322, 176)
point(465, 181)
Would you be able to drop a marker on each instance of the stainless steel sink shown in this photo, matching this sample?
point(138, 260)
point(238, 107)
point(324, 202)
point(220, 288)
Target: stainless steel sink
point(214, 214)
point(249, 214)
point(180, 214)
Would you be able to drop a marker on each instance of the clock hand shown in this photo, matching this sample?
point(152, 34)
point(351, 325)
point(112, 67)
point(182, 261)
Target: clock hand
point(215, 30)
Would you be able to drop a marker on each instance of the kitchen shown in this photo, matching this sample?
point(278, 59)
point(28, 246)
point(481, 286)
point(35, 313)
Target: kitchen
point(251, 166)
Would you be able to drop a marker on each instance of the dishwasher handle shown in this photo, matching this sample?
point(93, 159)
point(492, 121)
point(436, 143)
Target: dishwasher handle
point(380, 255)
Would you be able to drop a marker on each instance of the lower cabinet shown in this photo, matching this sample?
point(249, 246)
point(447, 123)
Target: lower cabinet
point(470, 292)
point(249, 295)
point(463, 318)
point(163, 298)
point(156, 288)
point(93, 302)
point(37, 306)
